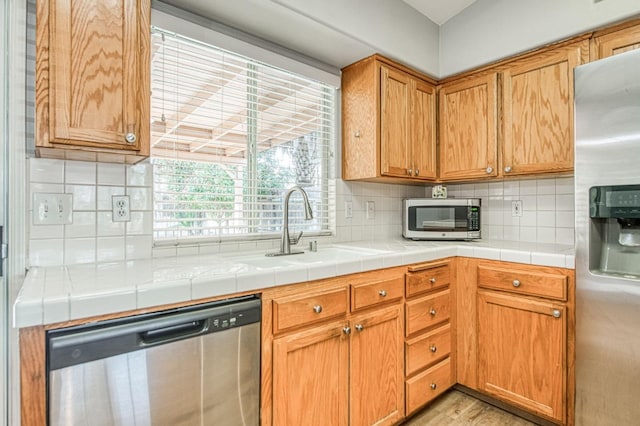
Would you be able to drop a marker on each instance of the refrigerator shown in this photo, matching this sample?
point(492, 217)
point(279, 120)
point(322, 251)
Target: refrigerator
point(607, 206)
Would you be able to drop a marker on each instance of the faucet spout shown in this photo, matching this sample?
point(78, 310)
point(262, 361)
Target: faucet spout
point(285, 241)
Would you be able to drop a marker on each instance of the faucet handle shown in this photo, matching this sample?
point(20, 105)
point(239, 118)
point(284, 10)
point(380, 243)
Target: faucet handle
point(295, 240)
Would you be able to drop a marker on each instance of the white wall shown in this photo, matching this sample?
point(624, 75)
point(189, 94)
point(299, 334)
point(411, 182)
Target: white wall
point(489, 30)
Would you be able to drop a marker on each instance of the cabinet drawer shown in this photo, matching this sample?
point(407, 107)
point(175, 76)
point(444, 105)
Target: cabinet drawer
point(533, 283)
point(427, 311)
point(295, 311)
point(428, 348)
point(428, 384)
point(370, 294)
point(428, 279)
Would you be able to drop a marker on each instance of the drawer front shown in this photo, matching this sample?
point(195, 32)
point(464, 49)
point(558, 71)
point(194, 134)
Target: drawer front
point(293, 312)
point(430, 279)
point(428, 385)
point(542, 284)
point(428, 348)
point(427, 311)
point(370, 294)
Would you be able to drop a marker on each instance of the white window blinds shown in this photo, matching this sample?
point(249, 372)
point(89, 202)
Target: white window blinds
point(229, 136)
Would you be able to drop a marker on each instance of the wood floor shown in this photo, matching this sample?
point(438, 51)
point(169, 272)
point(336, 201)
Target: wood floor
point(457, 408)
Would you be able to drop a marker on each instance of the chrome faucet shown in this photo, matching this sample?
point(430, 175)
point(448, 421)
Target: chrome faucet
point(285, 240)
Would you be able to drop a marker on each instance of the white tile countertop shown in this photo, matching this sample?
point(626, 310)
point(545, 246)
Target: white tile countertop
point(61, 293)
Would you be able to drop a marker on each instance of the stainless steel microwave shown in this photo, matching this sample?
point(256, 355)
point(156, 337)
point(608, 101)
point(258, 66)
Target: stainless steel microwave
point(441, 218)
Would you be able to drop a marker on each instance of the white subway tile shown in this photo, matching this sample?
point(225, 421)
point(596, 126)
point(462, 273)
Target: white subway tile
point(546, 202)
point(48, 252)
point(46, 170)
point(565, 219)
point(481, 190)
point(529, 218)
point(546, 235)
point(111, 174)
point(80, 172)
point(545, 186)
point(140, 175)
point(511, 188)
point(487, 253)
point(39, 232)
point(496, 188)
point(511, 233)
point(79, 250)
point(84, 196)
point(141, 198)
point(138, 247)
point(110, 249)
point(529, 202)
point(494, 232)
point(548, 259)
point(515, 256)
point(546, 218)
point(107, 227)
point(83, 226)
point(565, 236)
point(105, 196)
point(565, 185)
point(528, 187)
point(141, 223)
point(565, 202)
point(528, 234)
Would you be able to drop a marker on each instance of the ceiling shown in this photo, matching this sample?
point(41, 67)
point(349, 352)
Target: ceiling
point(437, 10)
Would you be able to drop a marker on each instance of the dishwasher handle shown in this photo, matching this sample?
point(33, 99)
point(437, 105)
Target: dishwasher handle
point(173, 332)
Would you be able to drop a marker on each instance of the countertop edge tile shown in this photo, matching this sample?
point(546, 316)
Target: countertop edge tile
point(85, 291)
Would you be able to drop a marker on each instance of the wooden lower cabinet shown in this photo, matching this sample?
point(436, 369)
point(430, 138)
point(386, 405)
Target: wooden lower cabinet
point(376, 368)
point(522, 355)
point(311, 377)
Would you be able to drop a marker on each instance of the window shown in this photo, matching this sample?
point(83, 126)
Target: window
point(229, 136)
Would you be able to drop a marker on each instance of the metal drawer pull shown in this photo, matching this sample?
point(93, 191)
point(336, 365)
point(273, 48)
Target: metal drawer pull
point(433, 348)
point(516, 283)
point(346, 330)
point(489, 170)
point(507, 169)
point(433, 311)
point(410, 172)
point(382, 293)
point(317, 309)
point(433, 280)
point(556, 313)
point(359, 327)
point(417, 172)
point(433, 386)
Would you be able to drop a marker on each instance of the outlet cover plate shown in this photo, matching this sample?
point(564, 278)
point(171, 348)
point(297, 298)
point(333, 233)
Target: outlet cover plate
point(371, 210)
point(121, 211)
point(516, 208)
point(52, 209)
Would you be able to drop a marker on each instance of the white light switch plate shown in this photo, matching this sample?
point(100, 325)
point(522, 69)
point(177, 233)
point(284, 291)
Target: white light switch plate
point(52, 209)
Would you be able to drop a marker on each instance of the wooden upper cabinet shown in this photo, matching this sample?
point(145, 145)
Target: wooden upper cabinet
point(92, 78)
point(388, 123)
point(468, 128)
point(609, 43)
point(537, 105)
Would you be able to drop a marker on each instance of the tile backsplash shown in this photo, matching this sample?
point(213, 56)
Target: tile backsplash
point(547, 213)
point(547, 209)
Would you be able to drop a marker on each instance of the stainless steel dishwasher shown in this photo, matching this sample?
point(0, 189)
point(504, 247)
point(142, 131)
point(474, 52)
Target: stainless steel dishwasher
point(191, 366)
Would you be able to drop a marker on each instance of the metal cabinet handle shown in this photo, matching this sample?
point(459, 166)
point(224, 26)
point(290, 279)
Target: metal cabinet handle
point(130, 137)
point(556, 313)
point(433, 348)
point(346, 330)
point(433, 280)
point(516, 283)
point(359, 327)
point(433, 386)
point(317, 309)
point(382, 293)
point(489, 170)
point(507, 169)
point(356, 133)
point(433, 312)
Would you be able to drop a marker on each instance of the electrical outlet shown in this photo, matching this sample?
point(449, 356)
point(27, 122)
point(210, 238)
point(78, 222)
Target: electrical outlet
point(120, 208)
point(371, 210)
point(348, 209)
point(52, 209)
point(516, 208)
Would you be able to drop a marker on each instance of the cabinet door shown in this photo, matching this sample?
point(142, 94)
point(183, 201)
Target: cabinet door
point(394, 122)
point(521, 352)
point(468, 132)
point(97, 92)
point(538, 113)
point(311, 377)
point(423, 130)
point(376, 366)
point(615, 43)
